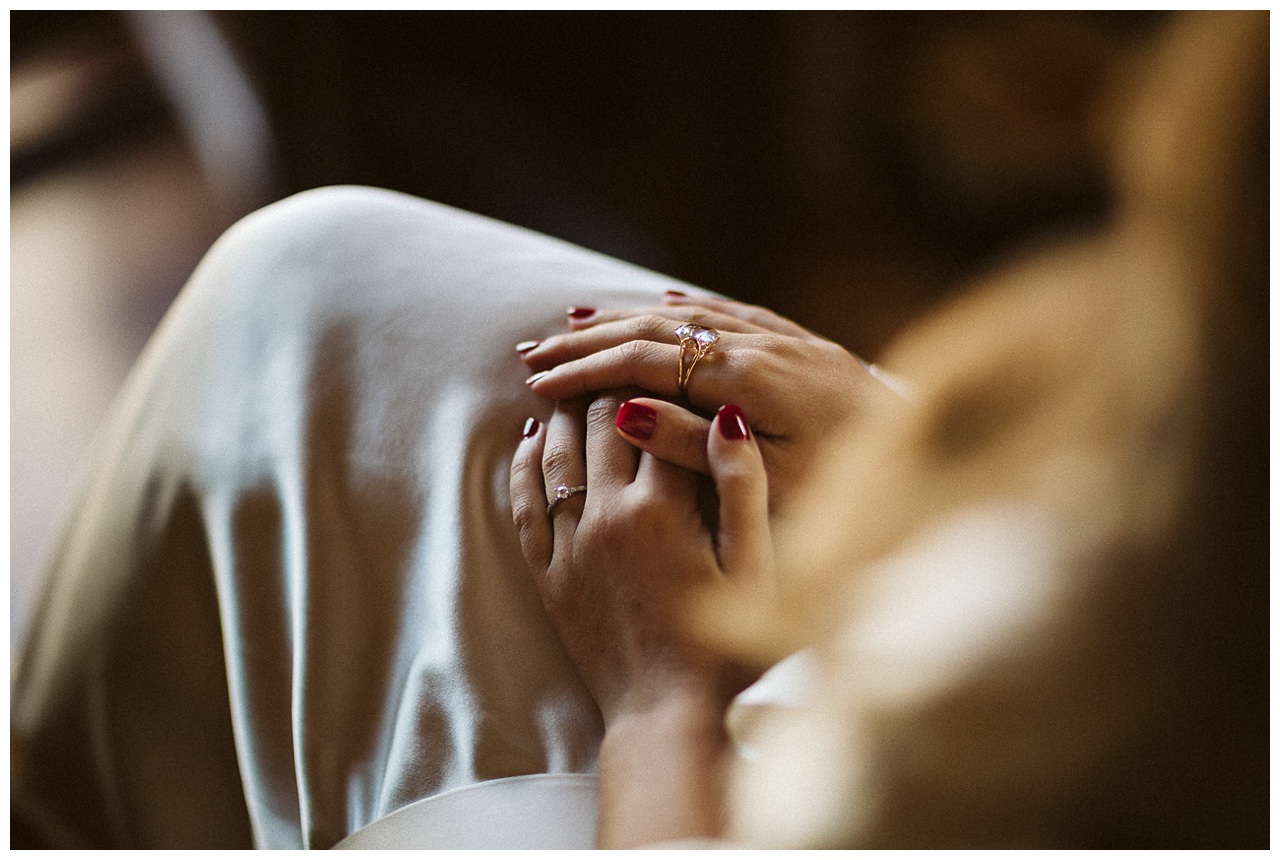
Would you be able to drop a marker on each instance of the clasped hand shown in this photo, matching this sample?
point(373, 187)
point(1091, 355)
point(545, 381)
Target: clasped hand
point(613, 564)
point(796, 387)
point(616, 563)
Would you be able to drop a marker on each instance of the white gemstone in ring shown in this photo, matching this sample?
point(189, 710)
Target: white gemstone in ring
point(562, 492)
point(700, 335)
point(695, 342)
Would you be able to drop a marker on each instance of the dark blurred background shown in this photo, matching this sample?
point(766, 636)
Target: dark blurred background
point(849, 170)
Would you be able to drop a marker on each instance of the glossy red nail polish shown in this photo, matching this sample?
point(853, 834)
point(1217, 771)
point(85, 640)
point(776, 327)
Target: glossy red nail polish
point(676, 294)
point(530, 427)
point(732, 423)
point(580, 313)
point(637, 420)
point(526, 345)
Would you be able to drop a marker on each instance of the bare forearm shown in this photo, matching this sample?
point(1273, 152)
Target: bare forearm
point(660, 773)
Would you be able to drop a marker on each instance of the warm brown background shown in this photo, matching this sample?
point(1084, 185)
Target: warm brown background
point(847, 169)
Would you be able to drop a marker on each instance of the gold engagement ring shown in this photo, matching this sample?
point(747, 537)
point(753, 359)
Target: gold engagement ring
point(695, 342)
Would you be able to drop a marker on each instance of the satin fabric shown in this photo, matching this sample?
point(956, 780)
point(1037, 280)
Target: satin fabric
point(291, 600)
point(540, 811)
point(559, 811)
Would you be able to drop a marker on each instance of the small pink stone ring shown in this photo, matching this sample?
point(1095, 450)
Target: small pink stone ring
point(562, 492)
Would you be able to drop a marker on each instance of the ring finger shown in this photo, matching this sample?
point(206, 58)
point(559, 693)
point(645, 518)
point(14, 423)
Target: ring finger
point(709, 316)
point(649, 324)
point(529, 497)
point(743, 314)
point(738, 365)
point(564, 469)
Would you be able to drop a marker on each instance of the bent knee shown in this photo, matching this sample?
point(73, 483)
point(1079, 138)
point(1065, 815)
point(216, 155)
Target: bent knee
point(318, 251)
point(316, 228)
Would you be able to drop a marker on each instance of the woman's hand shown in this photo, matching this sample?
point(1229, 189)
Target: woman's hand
point(613, 565)
point(796, 386)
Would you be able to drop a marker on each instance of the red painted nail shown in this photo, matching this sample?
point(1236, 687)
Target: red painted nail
point(580, 313)
point(530, 427)
point(637, 420)
point(677, 294)
point(526, 345)
point(732, 423)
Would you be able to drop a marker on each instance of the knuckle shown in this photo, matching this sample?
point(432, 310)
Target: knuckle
point(651, 326)
point(763, 315)
point(742, 370)
point(643, 508)
point(603, 411)
point(520, 472)
point(530, 528)
point(557, 459)
point(632, 351)
point(524, 513)
point(830, 351)
point(648, 508)
point(520, 465)
point(599, 529)
point(781, 348)
point(748, 312)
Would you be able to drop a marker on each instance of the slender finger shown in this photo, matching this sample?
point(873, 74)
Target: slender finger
point(654, 367)
point(640, 325)
point(564, 465)
point(668, 432)
point(528, 497)
point(611, 462)
point(744, 544)
point(753, 314)
point(692, 313)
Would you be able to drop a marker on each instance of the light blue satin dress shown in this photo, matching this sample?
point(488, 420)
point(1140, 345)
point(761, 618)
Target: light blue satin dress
point(291, 601)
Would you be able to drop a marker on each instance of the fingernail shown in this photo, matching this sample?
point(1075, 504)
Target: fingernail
point(677, 294)
point(637, 420)
point(580, 313)
point(526, 345)
point(530, 427)
point(532, 379)
point(732, 423)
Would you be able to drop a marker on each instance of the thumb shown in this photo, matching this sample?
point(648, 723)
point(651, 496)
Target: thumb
point(745, 546)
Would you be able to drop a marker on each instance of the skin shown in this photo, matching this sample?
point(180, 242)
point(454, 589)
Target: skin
point(797, 387)
point(613, 598)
